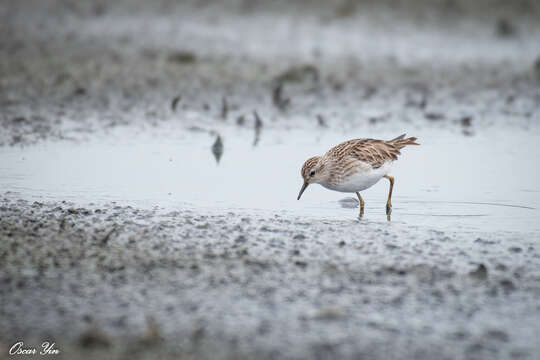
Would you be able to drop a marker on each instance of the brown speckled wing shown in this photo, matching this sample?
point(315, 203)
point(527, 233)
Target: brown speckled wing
point(371, 151)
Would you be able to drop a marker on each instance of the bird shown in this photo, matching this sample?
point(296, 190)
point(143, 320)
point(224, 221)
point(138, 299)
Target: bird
point(355, 165)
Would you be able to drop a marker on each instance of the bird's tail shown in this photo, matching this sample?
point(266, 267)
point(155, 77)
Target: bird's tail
point(401, 142)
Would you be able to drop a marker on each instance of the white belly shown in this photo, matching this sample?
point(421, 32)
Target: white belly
point(361, 180)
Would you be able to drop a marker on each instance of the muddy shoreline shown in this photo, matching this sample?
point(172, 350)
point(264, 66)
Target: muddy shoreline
point(267, 285)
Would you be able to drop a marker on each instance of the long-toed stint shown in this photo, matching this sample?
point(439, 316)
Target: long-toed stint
point(355, 165)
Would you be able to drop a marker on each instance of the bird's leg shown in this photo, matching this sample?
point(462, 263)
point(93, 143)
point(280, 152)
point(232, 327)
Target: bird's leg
point(361, 204)
point(389, 201)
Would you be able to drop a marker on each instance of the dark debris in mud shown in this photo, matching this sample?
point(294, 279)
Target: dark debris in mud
point(277, 98)
point(133, 289)
point(258, 128)
point(175, 101)
point(224, 108)
point(300, 73)
point(182, 57)
point(217, 148)
point(505, 28)
point(321, 121)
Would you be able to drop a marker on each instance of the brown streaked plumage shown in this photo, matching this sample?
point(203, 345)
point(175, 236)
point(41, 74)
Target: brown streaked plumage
point(372, 151)
point(355, 165)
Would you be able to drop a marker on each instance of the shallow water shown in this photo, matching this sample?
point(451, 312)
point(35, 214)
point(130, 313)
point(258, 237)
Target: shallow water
point(485, 182)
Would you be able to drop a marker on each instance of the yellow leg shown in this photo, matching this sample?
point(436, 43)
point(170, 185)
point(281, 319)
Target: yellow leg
point(361, 204)
point(389, 201)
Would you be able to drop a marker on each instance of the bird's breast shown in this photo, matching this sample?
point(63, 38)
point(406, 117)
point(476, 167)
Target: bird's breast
point(362, 178)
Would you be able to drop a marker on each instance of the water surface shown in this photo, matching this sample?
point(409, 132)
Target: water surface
point(484, 182)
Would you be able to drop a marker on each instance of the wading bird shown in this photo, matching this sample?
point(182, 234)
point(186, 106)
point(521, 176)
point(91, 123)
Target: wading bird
point(355, 165)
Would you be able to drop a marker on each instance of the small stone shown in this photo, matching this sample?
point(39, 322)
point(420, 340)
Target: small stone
point(182, 57)
point(504, 28)
point(240, 239)
point(330, 313)
point(507, 285)
point(174, 102)
point(321, 121)
point(498, 335)
point(242, 252)
point(94, 337)
point(466, 121)
point(480, 273)
point(241, 120)
point(80, 91)
point(434, 116)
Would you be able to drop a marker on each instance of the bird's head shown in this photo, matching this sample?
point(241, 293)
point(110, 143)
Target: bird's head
point(312, 172)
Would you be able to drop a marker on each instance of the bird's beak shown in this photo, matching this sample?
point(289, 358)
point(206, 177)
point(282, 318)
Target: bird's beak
point(302, 190)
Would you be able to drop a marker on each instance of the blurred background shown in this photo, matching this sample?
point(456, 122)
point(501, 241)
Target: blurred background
point(71, 68)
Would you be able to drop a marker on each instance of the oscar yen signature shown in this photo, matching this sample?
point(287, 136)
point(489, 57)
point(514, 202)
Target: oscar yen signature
point(47, 348)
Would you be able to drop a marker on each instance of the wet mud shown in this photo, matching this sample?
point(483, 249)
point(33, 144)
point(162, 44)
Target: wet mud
point(261, 285)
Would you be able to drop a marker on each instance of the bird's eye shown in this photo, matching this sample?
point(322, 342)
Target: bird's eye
point(312, 173)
